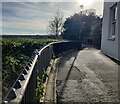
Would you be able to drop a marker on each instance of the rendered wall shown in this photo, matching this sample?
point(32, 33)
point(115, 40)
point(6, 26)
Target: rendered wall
point(110, 47)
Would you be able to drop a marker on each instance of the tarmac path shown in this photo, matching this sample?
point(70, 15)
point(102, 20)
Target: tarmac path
point(87, 76)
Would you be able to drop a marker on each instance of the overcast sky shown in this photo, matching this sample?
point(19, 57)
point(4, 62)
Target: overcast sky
point(34, 17)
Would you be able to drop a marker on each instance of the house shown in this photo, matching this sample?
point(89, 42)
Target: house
point(110, 43)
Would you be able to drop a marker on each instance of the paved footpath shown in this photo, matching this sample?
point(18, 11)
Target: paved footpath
point(87, 76)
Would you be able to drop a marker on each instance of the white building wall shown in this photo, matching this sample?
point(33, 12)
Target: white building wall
point(109, 46)
point(119, 31)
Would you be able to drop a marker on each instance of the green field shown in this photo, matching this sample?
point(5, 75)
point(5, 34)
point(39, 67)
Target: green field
point(15, 53)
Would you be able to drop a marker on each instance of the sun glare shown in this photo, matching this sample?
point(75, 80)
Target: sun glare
point(86, 2)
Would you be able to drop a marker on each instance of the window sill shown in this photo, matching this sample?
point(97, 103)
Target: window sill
point(112, 38)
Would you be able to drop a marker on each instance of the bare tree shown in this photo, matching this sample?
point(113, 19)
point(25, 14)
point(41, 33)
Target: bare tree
point(55, 26)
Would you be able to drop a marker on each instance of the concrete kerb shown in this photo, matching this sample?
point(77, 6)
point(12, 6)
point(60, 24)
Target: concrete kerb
point(50, 90)
point(56, 71)
point(48, 71)
point(50, 84)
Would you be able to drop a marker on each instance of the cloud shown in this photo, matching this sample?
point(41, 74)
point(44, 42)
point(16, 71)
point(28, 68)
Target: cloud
point(30, 16)
point(34, 16)
point(52, 0)
point(28, 25)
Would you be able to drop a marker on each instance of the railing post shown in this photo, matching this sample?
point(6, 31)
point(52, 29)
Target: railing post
point(30, 93)
point(40, 65)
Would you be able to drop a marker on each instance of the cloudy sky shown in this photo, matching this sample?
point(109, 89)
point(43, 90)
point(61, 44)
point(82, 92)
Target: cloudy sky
point(34, 17)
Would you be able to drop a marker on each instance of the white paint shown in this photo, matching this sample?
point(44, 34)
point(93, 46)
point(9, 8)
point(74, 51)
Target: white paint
point(110, 47)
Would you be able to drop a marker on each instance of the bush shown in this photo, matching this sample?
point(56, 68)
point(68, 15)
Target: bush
point(15, 53)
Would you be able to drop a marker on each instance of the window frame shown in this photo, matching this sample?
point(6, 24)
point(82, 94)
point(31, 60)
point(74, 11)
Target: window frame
point(112, 23)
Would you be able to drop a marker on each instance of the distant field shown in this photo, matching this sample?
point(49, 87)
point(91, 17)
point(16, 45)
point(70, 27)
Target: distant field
point(15, 53)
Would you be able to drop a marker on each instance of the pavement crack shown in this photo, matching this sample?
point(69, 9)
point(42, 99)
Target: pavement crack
point(77, 68)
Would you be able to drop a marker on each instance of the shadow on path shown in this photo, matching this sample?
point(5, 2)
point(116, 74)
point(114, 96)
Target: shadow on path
point(87, 76)
point(71, 56)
